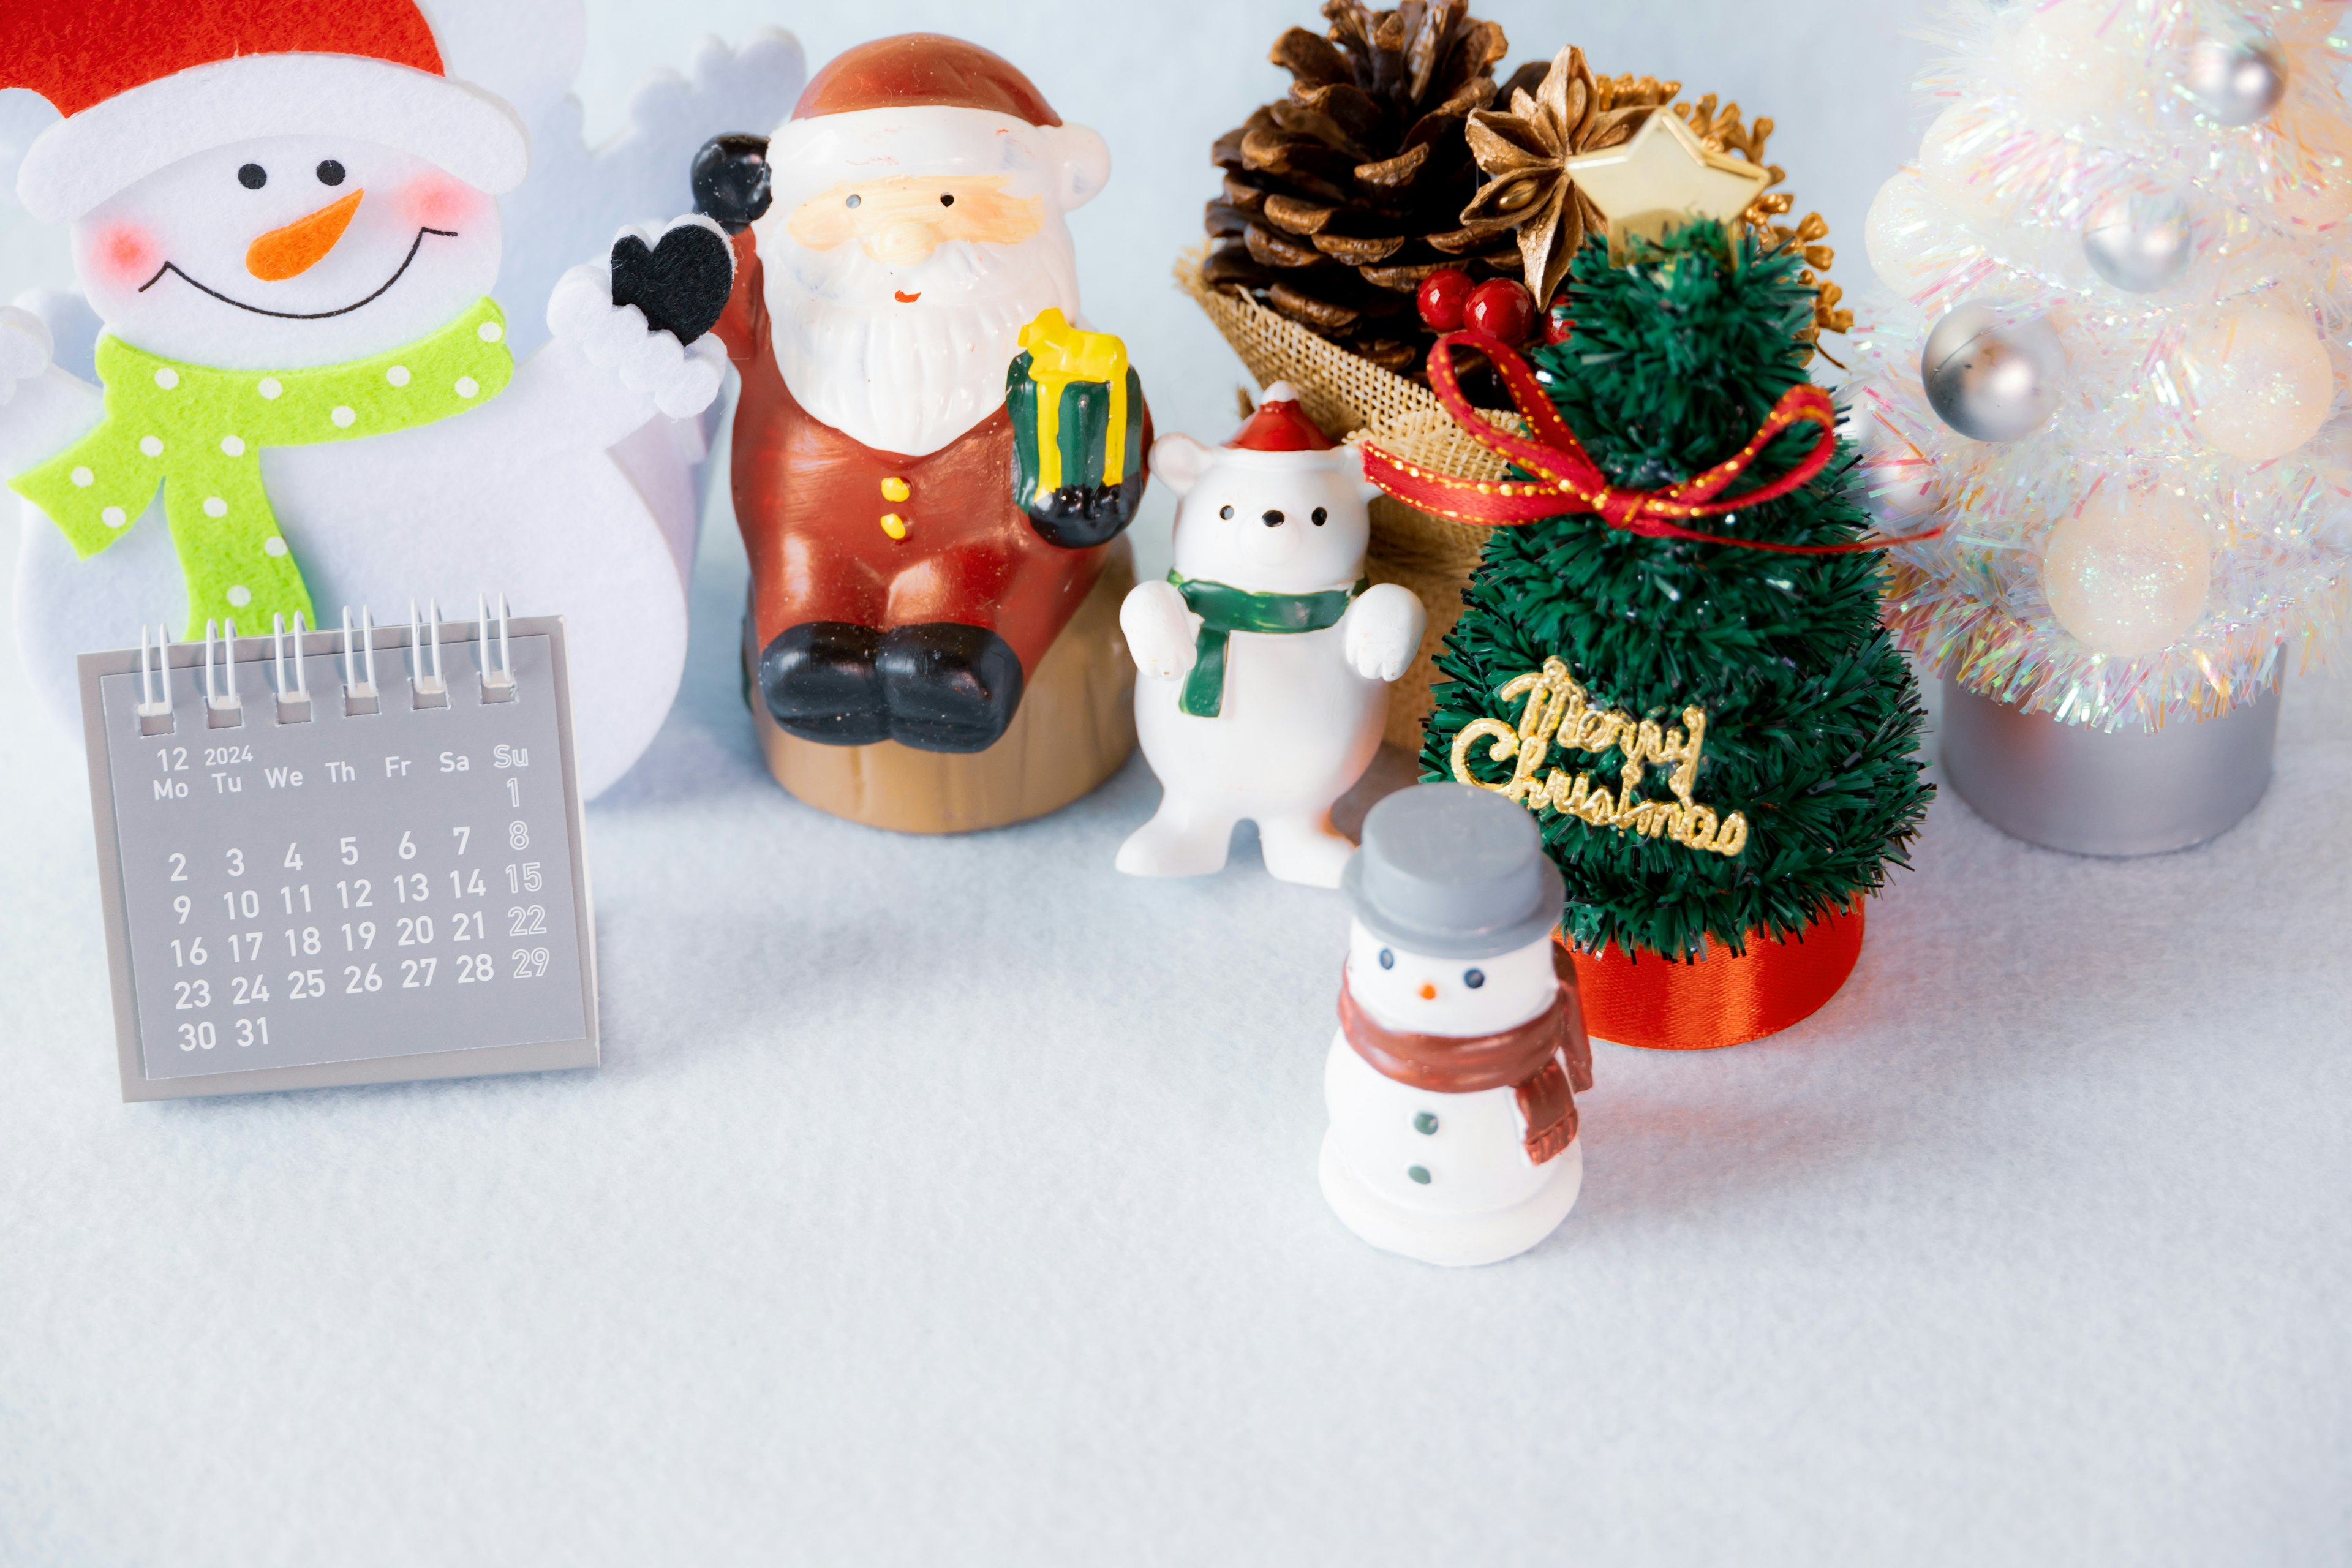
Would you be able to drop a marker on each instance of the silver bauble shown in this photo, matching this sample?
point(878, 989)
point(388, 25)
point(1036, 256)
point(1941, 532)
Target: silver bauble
point(2139, 243)
point(1989, 375)
point(2236, 83)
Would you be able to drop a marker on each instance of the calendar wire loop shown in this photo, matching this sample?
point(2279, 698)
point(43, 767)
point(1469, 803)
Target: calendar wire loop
point(424, 680)
point(300, 691)
point(497, 684)
point(155, 677)
point(221, 701)
point(360, 694)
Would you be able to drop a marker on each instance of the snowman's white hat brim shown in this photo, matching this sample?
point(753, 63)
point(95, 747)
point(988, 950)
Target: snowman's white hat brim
point(81, 161)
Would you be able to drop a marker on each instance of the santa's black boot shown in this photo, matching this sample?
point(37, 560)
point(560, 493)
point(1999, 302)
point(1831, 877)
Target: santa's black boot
point(820, 683)
point(950, 688)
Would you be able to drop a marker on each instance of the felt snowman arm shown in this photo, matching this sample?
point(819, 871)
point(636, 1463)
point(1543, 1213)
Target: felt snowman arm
point(1162, 631)
point(26, 348)
point(1381, 631)
point(43, 409)
point(623, 373)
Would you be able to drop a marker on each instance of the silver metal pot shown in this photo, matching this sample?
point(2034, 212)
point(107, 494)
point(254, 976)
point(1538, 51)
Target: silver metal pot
point(2088, 792)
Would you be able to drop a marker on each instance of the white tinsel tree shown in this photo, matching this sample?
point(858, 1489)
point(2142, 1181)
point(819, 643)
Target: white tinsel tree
point(2147, 201)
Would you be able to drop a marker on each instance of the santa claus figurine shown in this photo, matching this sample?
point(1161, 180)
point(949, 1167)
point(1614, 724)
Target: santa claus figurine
point(918, 547)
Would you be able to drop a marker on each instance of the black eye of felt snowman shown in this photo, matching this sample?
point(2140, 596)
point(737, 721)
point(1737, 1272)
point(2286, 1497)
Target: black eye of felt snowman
point(1474, 978)
point(1388, 959)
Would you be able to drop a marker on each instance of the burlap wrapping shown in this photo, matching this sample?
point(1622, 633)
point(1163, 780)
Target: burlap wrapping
point(1352, 397)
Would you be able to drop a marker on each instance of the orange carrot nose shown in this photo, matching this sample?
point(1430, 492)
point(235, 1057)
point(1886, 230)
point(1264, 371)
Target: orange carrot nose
point(289, 252)
point(1428, 992)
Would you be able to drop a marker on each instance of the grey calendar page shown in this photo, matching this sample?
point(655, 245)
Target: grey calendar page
point(355, 887)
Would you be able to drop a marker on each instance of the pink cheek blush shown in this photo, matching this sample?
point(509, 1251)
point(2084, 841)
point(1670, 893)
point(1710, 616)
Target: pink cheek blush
point(124, 254)
point(439, 201)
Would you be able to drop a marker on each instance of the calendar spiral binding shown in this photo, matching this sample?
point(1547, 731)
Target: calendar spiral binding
point(213, 664)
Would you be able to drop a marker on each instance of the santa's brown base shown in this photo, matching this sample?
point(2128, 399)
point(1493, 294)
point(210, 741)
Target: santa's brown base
point(1075, 726)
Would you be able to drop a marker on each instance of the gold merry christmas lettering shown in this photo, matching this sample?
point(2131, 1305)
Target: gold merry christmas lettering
point(1557, 714)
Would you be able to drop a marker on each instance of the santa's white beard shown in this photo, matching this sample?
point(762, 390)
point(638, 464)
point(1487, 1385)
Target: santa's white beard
point(907, 377)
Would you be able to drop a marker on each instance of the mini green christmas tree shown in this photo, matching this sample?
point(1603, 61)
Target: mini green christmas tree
point(1756, 686)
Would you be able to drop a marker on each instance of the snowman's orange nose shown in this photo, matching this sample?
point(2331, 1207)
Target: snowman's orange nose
point(289, 252)
point(1428, 992)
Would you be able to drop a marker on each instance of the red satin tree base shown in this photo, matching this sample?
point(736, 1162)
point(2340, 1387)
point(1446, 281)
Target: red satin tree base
point(1721, 1000)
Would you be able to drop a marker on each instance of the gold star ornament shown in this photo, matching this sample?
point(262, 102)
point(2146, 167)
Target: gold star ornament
point(1663, 178)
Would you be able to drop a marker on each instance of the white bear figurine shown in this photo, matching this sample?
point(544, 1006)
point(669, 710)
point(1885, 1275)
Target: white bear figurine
point(1265, 659)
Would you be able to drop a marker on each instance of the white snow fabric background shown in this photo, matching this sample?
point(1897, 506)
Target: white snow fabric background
point(954, 1201)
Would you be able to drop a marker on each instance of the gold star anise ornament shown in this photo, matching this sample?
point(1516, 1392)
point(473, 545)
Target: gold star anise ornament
point(1526, 153)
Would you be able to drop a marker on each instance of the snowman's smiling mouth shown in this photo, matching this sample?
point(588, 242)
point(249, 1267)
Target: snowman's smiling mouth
point(413, 246)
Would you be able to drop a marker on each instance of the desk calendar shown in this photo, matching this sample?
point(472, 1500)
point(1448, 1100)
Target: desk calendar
point(341, 858)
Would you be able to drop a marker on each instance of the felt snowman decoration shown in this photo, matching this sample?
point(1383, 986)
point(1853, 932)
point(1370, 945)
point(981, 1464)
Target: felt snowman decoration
point(1264, 657)
point(1461, 1041)
point(285, 218)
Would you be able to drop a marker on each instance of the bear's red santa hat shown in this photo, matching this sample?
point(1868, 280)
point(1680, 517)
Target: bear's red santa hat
point(144, 83)
point(1279, 425)
point(923, 104)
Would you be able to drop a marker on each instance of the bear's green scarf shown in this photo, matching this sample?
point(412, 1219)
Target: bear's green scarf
point(1224, 610)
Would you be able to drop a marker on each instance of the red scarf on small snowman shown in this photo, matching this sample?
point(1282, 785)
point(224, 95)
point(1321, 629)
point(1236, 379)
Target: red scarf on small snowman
point(1526, 1057)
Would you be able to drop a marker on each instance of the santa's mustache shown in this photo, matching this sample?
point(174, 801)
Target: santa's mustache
point(959, 270)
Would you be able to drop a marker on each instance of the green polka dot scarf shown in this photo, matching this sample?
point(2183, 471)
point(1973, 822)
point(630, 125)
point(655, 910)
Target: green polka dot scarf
point(199, 432)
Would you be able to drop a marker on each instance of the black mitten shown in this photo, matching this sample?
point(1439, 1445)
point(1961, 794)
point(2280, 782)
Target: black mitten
point(681, 281)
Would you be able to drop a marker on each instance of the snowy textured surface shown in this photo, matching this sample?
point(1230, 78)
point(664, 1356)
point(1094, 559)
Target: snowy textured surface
point(955, 1201)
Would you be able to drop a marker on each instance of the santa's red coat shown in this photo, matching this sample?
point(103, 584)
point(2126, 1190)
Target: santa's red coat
point(810, 502)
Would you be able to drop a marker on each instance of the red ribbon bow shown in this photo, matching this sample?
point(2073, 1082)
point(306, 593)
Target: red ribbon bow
point(1566, 480)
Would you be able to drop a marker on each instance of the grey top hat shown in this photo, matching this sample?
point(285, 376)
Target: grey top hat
point(1454, 872)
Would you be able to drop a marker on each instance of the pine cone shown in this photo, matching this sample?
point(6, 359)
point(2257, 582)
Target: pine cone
point(1340, 199)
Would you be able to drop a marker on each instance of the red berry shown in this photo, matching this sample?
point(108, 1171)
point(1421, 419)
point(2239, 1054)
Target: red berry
point(1442, 297)
point(1558, 328)
point(1501, 308)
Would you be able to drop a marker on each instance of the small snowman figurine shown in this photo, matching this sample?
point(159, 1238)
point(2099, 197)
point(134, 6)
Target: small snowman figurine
point(1264, 657)
point(1461, 1040)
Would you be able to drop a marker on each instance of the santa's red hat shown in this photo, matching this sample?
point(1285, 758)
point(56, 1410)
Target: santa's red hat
point(144, 83)
point(1279, 425)
point(923, 104)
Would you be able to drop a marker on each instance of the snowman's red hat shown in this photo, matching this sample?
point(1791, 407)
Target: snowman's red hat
point(1279, 425)
point(144, 83)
